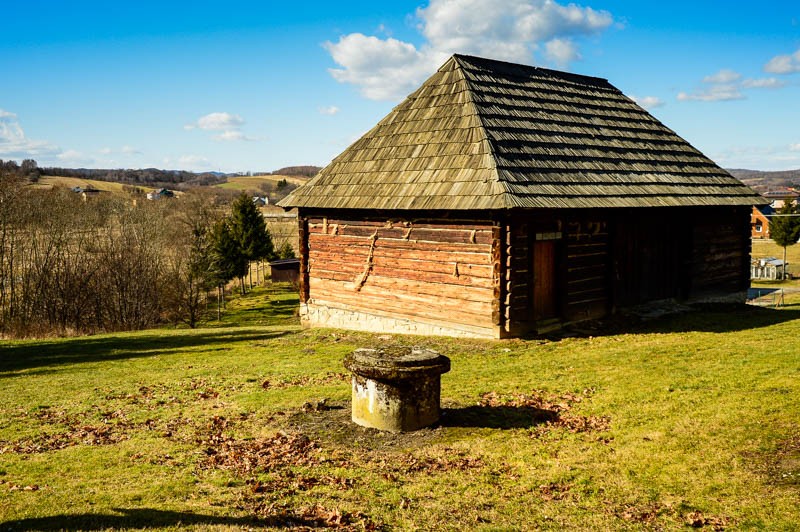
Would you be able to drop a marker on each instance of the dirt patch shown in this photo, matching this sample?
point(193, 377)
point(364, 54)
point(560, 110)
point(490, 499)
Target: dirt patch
point(782, 465)
point(330, 423)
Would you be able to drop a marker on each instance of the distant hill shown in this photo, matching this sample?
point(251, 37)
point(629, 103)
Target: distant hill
point(301, 171)
point(763, 181)
point(150, 177)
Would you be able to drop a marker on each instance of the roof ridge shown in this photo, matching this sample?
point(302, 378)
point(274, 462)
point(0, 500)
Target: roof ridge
point(497, 182)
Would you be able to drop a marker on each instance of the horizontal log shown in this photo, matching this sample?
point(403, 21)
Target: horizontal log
point(403, 305)
point(399, 302)
point(588, 270)
point(437, 279)
point(431, 291)
point(399, 261)
point(422, 223)
point(330, 249)
point(392, 243)
point(458, 236)
point(480, 329)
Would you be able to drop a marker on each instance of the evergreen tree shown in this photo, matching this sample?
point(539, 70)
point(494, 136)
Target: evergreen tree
point(785, 230)
point(228, 261)
point(250, 232)
point(286, 251)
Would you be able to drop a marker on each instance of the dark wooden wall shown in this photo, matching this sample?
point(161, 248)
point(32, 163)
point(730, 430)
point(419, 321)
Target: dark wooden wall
point(611, 259)
point(720, 243)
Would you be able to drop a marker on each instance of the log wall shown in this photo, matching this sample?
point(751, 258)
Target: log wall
point(429, 274)
point(721, 243)
point(586, 267)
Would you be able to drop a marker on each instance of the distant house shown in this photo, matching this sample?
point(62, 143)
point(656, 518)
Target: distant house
point(260, 201)
point(759, 221)
point(778, 198)
point(86, 193)
point(284, 271)
point(768, 268)
point(500, 199)
point(161, 193)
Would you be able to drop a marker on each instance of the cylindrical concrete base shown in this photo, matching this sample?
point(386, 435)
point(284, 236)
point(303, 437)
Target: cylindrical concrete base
point(396, 389)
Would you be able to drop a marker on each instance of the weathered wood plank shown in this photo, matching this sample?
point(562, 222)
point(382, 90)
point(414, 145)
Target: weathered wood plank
point(440, 257)
point(428, 291)
point(479, 329)
point(450, 267)
point(315, 238)
point(406, 275)
point(373, 297)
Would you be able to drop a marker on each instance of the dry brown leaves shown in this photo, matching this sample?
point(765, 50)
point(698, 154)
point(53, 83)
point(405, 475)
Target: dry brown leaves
point(289, 482)
point(696, 519)
point(641, 513)
point(648, 513)
point(552, 410)
point(555, 491)
point(17, 487)
point(312, 517)
point(75, 432)
point(305, 380)
point(391, 465)
point(260, 454)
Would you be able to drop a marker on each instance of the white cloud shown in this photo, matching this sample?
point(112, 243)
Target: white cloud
point(104, 151)
point(727, 85)
point(512, 30)
point(724, 76)
point(130, 150)
point(233, 135)
point(228, 123)
point(383, 68)
point(188, 162)
point(794, 147)
point(561, 52)
point(784, 64)
point(648, 102)
point(330, 110)
point(716, 93)
point(74, 157)
point(217, 122)
point(763, 83)
point(14, 144)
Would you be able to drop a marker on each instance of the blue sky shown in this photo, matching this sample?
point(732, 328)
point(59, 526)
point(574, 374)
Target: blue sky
point(252, 86)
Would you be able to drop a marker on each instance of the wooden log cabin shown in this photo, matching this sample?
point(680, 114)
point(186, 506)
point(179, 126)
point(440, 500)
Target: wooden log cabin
point(501, 199)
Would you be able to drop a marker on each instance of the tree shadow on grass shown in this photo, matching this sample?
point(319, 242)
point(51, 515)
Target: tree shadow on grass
point(496, 417)
point(51, 354)
point(149, 518)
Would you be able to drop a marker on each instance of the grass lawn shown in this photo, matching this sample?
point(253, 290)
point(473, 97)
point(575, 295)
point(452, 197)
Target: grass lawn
point(688, 420)
point(768, 248)
point(245, 183)
point(70, 182)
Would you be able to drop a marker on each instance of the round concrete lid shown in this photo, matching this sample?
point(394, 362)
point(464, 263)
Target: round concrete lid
point(396, 362)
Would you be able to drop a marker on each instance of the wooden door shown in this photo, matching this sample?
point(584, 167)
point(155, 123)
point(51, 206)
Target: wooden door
point(544, 279)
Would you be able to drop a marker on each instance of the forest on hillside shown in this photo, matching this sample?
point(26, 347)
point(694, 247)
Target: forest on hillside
point(763, 181)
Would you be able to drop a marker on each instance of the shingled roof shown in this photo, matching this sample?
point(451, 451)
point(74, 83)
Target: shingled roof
point(484, 134)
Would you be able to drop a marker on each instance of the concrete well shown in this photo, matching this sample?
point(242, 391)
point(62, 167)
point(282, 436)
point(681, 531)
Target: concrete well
point(396, 389)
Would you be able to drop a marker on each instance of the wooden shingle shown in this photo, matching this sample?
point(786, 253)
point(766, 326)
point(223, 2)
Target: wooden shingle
point(484, 134)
